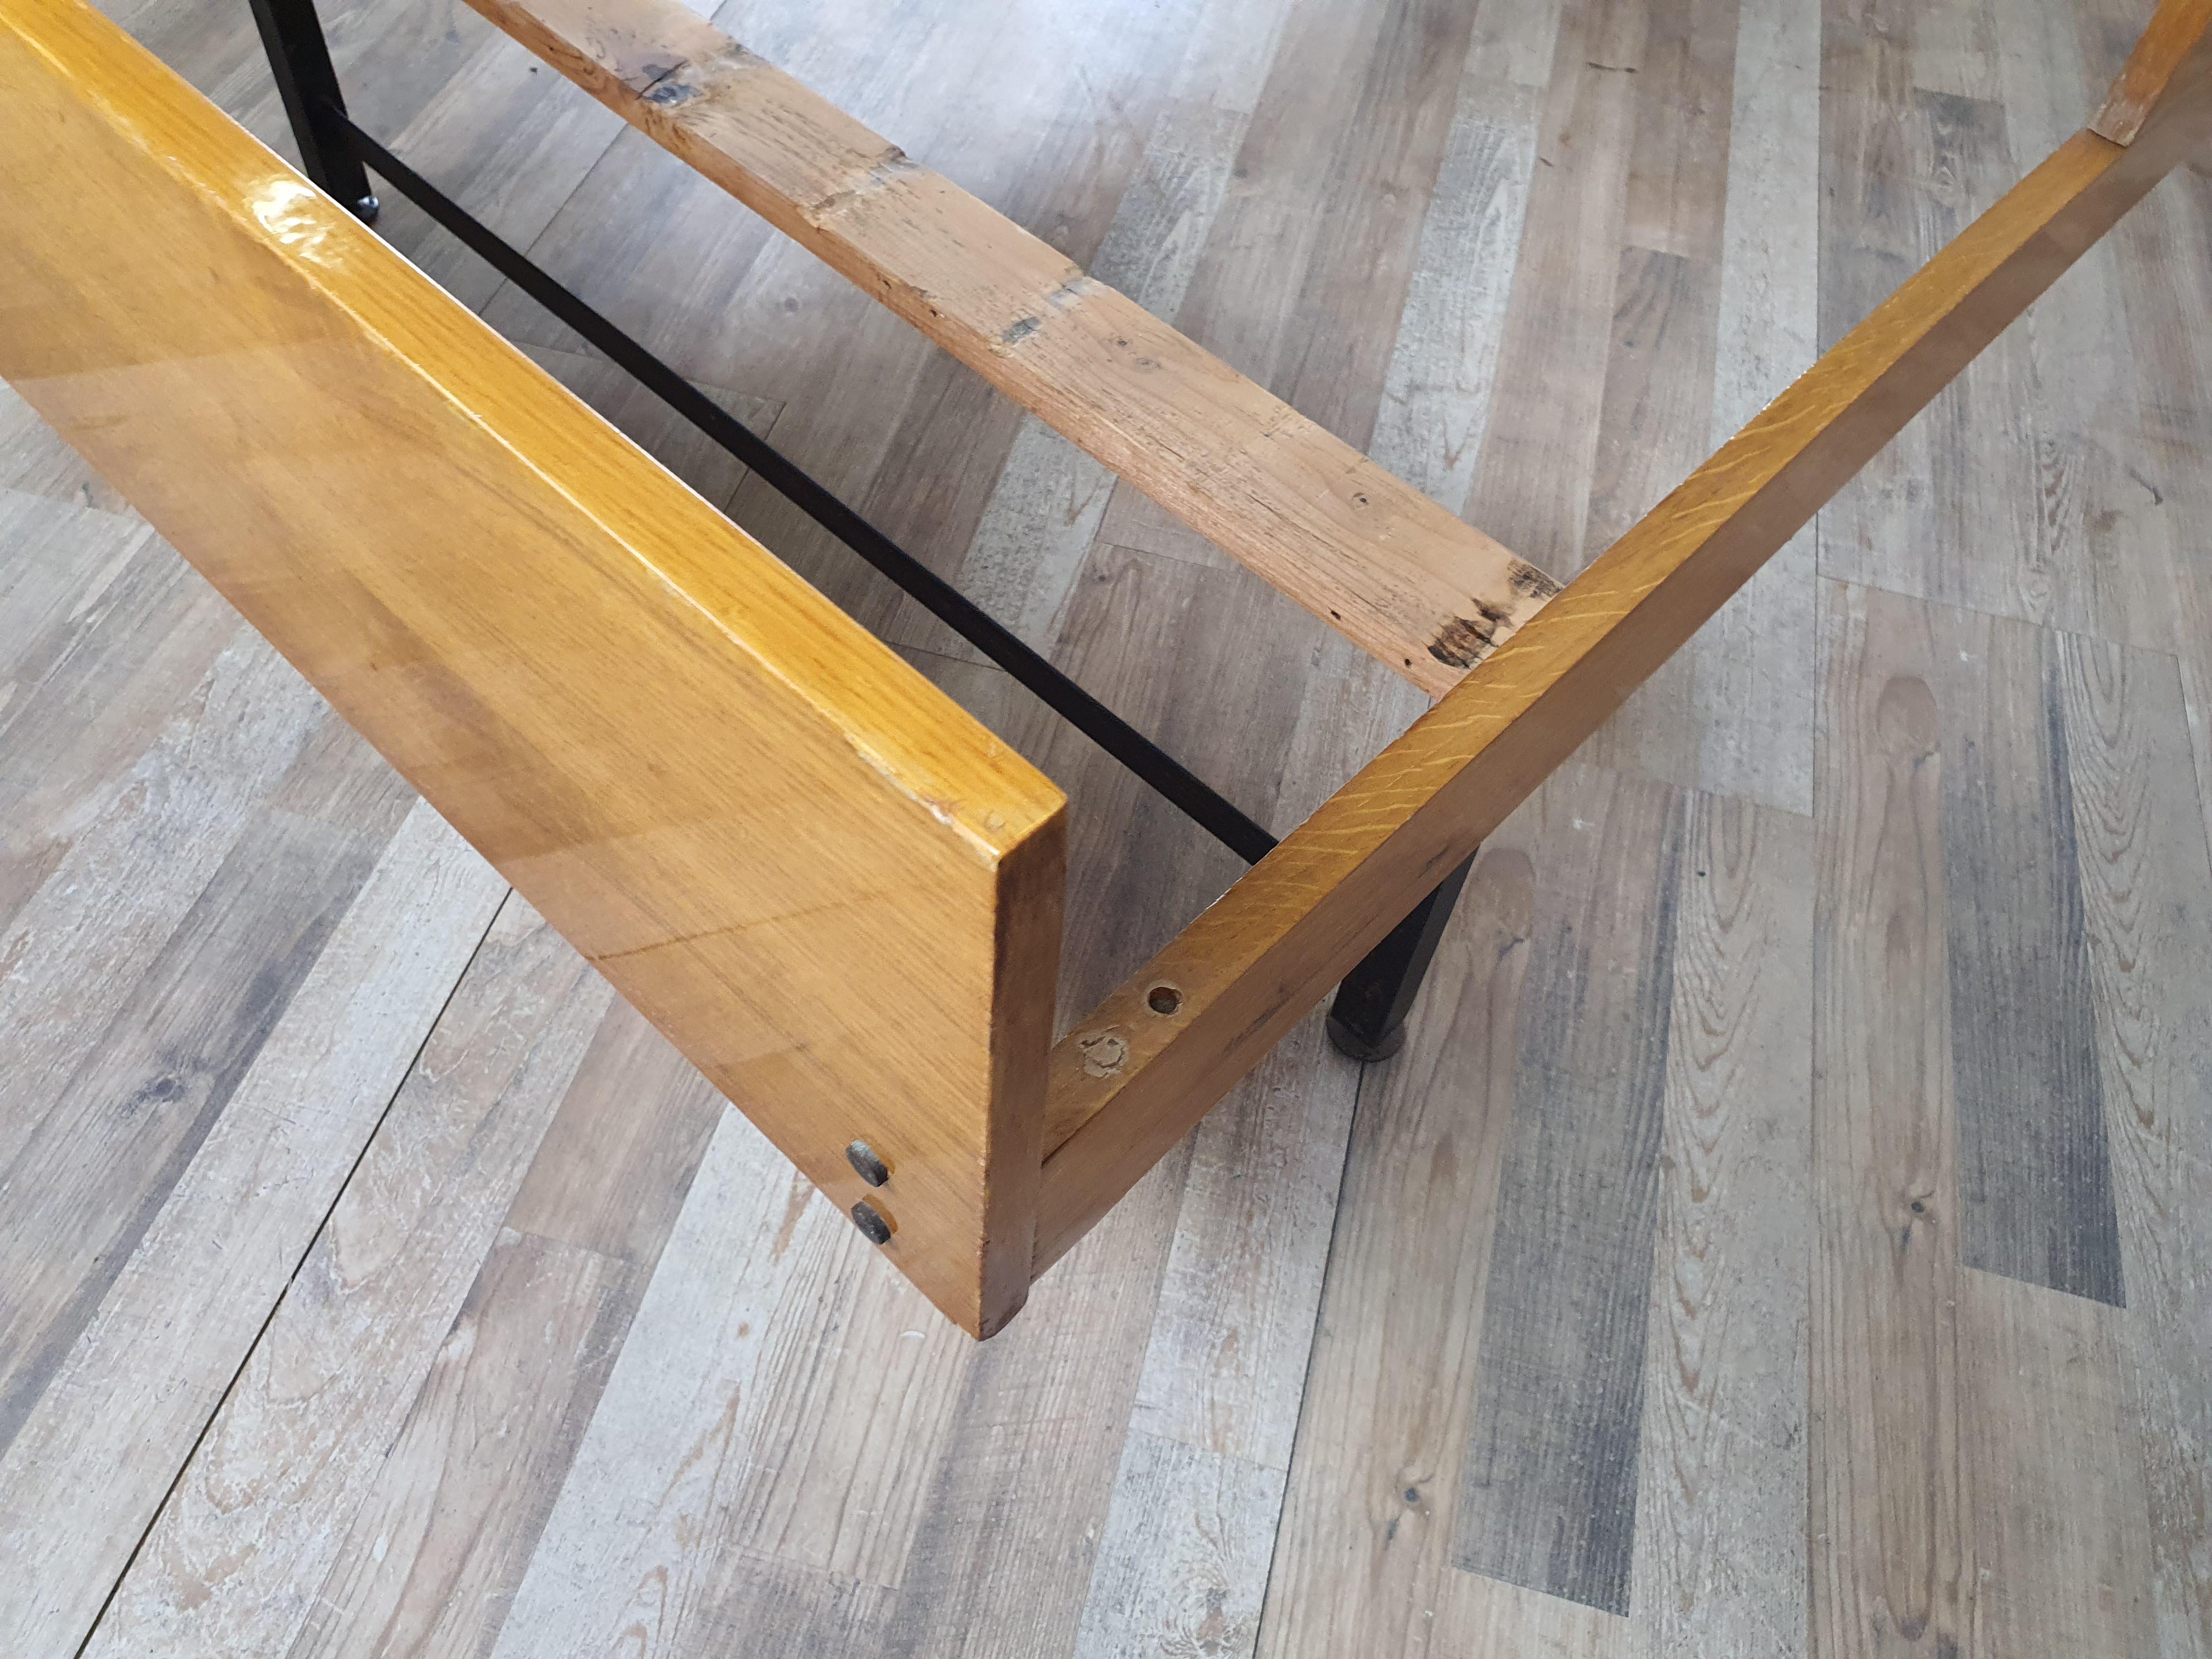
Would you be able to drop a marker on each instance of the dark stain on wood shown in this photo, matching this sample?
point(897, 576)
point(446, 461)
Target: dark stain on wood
point(1466, 641)
point(1525, 579)
point(2035, 1172)
point(1548, 1499)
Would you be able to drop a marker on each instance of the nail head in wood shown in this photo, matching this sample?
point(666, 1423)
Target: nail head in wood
point(865, 1217)
point(870, 1168)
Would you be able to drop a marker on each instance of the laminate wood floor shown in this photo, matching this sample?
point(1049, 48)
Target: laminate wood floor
point(1789, 1228)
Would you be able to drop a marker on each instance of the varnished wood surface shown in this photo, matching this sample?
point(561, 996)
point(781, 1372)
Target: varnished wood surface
point(742, 807)
point(641, 1397)
point(1425, 593)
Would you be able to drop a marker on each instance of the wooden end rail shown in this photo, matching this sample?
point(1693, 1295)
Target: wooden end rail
point(1364, 552)
point(822, 880)
point(1249, 968)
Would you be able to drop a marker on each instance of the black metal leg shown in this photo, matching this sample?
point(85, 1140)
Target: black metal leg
point(292, 36)
point(1367, 1021)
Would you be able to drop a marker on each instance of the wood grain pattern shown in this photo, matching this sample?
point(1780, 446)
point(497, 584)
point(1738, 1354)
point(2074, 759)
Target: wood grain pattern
point(136, 625)
point(2061, 1524)
point(1182, 1561)
point(1892, 1562)
point(1251, 964)
point(1549, 392)
point(90, 1176)
point(1355, 546)
point(1720, 1556)
point(1752, 699)
point(1362, 1560)
point(238, 1554)
point(2035, 1194)
point(2143, 873)
point(96, 1452)
point(1547, 1496)
point(437, 1545)
point(618, 1554)
point(1937, 1473)
point(711, 777)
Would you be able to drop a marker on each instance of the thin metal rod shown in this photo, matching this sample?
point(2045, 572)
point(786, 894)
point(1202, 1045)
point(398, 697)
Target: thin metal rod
point(300, 58)
point(1210, 811)
point(1367, 1021)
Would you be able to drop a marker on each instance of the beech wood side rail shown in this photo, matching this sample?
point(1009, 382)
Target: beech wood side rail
point(835, 892)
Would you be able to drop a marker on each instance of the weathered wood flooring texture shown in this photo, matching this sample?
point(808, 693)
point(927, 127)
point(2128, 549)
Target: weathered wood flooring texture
point(1789, 1228)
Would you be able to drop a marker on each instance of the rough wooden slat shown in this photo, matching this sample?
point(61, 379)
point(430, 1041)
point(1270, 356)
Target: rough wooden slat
point(1051, 499)
point(706, 774)
point(1354, 545)
point(1252, 964)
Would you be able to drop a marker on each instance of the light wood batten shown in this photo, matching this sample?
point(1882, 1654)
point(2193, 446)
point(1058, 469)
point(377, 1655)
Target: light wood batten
point(1364, 551)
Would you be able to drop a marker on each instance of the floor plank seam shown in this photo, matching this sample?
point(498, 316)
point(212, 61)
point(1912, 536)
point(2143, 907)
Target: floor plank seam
point(1313, 1349)
point(245, 1357)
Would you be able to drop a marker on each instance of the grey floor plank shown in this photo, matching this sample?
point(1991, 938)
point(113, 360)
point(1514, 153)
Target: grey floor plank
point(237, 1558)
point(1547, 1491)
point(2035, 1173)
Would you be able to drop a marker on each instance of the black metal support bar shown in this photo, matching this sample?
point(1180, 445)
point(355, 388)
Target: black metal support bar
point(1210, 810)
point(301, 60)
point(1367, 1021)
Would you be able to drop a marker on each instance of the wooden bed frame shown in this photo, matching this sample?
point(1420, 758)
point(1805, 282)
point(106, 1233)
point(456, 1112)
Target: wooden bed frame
point(835, 892)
